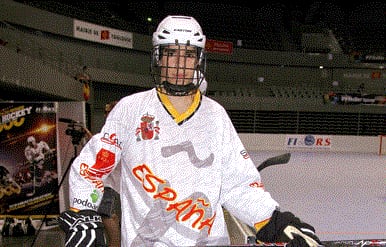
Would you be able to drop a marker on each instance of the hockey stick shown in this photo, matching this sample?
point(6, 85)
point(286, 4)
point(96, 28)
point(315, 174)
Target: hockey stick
point(277, 160)
point(337, 243)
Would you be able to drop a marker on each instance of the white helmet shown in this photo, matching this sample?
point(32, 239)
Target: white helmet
point(31, 139)
point(178, 30)
point(183, 30)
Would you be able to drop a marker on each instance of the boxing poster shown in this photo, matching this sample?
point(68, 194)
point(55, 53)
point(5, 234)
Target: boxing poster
point(28, 163)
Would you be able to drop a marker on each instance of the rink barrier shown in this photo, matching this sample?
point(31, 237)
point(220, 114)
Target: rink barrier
point(311, 143)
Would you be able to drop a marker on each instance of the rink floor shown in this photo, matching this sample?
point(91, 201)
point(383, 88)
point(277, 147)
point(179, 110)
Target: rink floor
point(342, 195)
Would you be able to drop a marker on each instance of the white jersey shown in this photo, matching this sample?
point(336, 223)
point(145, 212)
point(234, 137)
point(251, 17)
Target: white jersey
point(177, 172)
point(37, 153)
point(114, 179)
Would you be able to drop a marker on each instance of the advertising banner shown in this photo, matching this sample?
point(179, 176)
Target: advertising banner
point(105, 35)
point(218, 46)
point(354, 99)
point(28, 164)
point(321, 142)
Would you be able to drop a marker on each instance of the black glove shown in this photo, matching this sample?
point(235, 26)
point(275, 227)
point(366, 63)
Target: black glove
point(83, 228)
point(301, 237)
point(285, 227)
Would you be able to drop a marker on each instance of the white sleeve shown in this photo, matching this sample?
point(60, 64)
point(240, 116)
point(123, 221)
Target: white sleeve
point(243, 191)
point(95, 162)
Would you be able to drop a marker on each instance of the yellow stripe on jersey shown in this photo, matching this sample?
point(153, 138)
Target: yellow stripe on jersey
point(178, 118)
point(261, 224)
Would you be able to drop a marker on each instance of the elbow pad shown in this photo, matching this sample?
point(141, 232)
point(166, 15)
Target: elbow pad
point(110, 201)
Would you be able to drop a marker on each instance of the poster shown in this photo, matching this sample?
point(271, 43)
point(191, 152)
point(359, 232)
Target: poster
point(28, 163)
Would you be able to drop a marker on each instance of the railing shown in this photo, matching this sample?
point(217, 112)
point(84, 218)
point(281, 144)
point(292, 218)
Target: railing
point(300, 122)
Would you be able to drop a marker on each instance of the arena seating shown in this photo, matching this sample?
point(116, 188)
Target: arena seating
point(256, 31)
point(270, 26)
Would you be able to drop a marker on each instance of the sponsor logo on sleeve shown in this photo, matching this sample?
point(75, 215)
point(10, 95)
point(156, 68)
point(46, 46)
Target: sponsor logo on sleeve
point(90, 203)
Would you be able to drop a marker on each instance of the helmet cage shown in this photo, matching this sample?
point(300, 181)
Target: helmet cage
point(180, 33)
point(171, 85)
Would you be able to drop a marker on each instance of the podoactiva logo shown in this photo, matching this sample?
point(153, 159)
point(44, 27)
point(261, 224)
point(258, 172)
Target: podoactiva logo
point(85, 203)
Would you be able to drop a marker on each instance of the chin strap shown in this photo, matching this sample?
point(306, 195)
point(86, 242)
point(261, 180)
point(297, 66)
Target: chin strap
point(178, 90)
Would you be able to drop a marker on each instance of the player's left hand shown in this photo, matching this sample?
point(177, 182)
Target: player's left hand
point(302, 236)
point(286, 227)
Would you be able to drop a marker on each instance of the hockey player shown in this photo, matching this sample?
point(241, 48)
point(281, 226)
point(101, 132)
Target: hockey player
point(35, 153)
point(181, 162)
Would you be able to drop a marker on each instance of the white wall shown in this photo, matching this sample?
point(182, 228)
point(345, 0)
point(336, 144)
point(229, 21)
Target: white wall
point(277, 142)
point(24, 71)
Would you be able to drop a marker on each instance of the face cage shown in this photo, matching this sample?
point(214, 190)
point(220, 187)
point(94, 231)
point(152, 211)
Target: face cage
point(175, 89)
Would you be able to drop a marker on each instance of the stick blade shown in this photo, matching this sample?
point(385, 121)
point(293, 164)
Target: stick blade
point(277, 160)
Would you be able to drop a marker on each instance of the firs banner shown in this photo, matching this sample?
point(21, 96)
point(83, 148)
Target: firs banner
point(28, 160)
point(308, 142)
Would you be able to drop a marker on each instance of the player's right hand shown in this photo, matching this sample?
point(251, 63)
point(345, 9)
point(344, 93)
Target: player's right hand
point(83, 228)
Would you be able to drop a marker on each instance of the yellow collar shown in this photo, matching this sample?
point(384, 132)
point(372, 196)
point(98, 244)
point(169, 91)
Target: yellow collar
point(179, 118)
